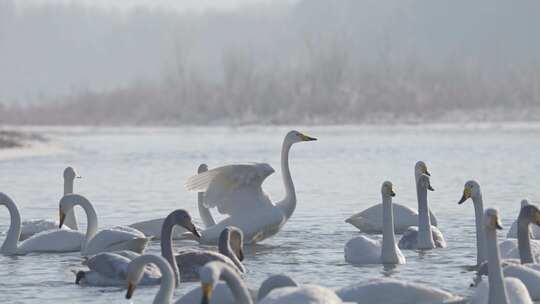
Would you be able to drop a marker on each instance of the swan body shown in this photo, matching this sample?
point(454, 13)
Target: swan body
point(513, 232)
point(236, 191)
point(33, 226)
point(364, 250)
point(190, 261)
point(498, 289)
point(111, 239)
point(424, 235)
point(56, 240)
point(307, 294)
point(392, 291)
point(510, 249)
point(370, 220)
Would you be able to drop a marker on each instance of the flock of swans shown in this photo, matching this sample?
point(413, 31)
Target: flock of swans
point(115, 256)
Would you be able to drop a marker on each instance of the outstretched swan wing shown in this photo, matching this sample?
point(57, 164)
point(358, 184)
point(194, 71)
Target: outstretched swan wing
point(233, 188)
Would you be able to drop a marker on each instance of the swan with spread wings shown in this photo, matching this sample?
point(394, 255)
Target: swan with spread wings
point(236, 191)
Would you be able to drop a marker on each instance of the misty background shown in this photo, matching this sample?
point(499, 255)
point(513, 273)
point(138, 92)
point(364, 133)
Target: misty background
point(236, 62)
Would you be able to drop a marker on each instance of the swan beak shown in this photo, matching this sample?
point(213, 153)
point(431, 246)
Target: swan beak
point(207, 293)
point(430, 188)
point(62, 218)
point(538, 218)
point(241, 254)
point(426, 172)
point(80, 275)
point(194, 231)
point(497, 223)
point(308, 138)
point(466, 195)
point(392, 193)
point(130, 290)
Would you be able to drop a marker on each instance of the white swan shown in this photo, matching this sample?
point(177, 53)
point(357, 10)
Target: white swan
point(363, 250)
point(111, 239)
point(527, 250)
point(31, 227)
point(512, 233)
point(392, 291)
point(424, 236)
point(152, 228)
point(230, 247)
point(110, 268)
point(236, 191)
point(369, 220)
point(47, 241)
point(135, 273)
point(498, 290)
point(472, 190)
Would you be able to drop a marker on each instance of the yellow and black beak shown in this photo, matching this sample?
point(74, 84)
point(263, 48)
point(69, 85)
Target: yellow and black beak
point(537, 218)
point(130, 290)
point(466, 195)
point(195, 231)
point(392, 193)
point(62, 218)
point(430, 188)
point(207, 293)
point(241, 254)
point(497, 223)
point(307, 138)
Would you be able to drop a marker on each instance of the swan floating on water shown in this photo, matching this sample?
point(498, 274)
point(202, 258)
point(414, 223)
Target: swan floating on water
point(364, 250)
point(424, 236)
point(236, 190)
point(369, 220)
point(54, 240)
point(152, 228)
point(33, 226)
point(110, 268)
point(513, 232)
point(135, 273)
point(111, 239)
point(498, 289)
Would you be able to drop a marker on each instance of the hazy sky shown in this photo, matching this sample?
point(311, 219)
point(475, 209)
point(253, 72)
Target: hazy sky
point(178, 4)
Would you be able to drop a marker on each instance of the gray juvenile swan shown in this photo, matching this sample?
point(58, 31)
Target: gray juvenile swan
point(424, 236)
point(110, 268)
point(369, 220)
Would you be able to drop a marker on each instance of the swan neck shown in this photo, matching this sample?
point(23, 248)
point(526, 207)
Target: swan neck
point(166, 287)
point(524, 241)
point(236, 285)
point(480, 238)
point(497, 289)
point(91, 220)
point(206, 215)
point(70, 220)
point(14, 232)
point(167, 246)
point(388, 250)
point(288, 205)
point(425, 239)
point(224, 247)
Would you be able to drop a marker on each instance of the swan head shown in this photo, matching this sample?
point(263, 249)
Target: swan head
point(181, 217)
point(209, 276)
point(67, 202)
point(387, 189)
point(492, 220)
point(471, 189)
point(421, 168)
point(79, 277)
point(70, 174)
point(423, 181)
point(295, 137)
point(275, 282)
point(529, 213)
point(202, 168)
point(233, 236)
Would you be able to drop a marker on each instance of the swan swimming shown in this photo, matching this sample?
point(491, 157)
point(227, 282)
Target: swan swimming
point(363, 250)
point(31, 227)
point(111, 239)
point(152, 228)
point(236, 190)
point(54, 240)
point(369, 220)
point(110, 268)
point(498, 289)
point(512, 233)
point(424, 236)
point(135, 273)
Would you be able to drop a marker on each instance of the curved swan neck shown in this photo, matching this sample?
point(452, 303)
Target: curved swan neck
point(288, 204)
point(70, 220)
point(224, 247)
point(524, 241)
point(14, 232)
point(167, 246)
point(166, 287)
point(91, 219)
point(497, 289)
point(236, 285)
point(388, 250)
point(425, 239)
point(480, 237)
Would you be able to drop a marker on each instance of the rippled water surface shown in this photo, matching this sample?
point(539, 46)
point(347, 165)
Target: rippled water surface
point(133, 174)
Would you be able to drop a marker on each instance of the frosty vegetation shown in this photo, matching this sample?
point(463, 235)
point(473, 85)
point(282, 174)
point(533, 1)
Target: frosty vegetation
point(311, 61)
